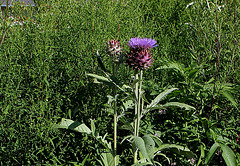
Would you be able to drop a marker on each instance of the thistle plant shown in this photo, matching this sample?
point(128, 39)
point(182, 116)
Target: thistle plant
point(139, 58)
point(114, 51)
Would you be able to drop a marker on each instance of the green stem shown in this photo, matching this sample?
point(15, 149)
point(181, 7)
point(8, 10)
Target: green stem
point(115, 119)
point(115, 134)
point(139, 101)
point(138, 109)
point(136, 116)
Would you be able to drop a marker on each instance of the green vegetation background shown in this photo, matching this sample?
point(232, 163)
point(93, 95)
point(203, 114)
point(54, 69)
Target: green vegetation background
point(43, 66)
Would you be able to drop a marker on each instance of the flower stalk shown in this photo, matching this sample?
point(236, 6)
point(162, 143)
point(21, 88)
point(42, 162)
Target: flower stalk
point(138, 107)
point(136, 116)
point(115, 119)
point(139, 101)
point(139, 58)
point(114, 51)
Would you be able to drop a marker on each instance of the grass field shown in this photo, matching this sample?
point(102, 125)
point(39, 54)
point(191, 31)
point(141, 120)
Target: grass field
point(47, 52)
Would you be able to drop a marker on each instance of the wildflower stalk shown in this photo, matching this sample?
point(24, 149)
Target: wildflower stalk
point(139, 58)
point(115, 119)
point(114, 50)
point(136, 116)
point(138, 107)
point(139, 101)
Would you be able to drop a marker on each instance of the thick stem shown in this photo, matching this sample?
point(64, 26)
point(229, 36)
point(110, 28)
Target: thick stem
point(115, 134)
point(138, 108)
point(136, 115)
point(115, 119)
point(139, 101)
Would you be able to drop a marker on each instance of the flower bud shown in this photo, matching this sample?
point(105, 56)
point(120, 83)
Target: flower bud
point(113, 48)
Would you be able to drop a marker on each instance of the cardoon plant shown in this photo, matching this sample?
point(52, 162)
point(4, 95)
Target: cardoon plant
point(139, 58)
point(114, 51)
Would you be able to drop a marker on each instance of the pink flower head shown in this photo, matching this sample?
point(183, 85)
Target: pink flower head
point(140, 56)
point(114, 49)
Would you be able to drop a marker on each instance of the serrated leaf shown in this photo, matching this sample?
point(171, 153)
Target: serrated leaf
point(125, 87)
point(177, 104)
point(104, 79)
point(110, 100)
point(211, 153)
point(160, 97)
point(127, 125)
point(228, 155)
point(128, 104)
point(73, 125)
point(104, 142)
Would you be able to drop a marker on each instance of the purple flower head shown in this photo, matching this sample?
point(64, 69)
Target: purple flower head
point(140, 56)
point(142, 44)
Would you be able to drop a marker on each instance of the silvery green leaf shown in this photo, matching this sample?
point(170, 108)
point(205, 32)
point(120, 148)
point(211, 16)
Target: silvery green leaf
point(150, 145)
point(140, 144)
point(73, 125)
point(99, 77)
point(160, 97)
point(177, 104)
